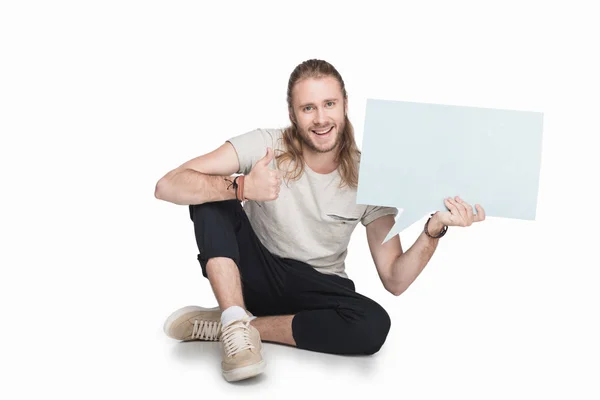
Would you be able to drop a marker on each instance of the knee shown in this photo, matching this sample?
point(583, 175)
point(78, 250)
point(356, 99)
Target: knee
point(379, 325)
point(201, 211)
point(371, 331)
point(197, 209)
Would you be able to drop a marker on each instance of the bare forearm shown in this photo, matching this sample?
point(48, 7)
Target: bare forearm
point(192, 187)
point(409, 264)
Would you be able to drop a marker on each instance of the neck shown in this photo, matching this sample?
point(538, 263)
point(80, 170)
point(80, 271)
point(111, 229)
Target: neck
point(322, 163)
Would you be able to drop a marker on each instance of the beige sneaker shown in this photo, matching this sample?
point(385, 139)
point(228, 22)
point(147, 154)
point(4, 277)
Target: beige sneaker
point(194, 323)
point(241, 350)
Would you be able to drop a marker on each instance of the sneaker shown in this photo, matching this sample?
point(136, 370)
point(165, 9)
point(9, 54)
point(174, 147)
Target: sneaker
point(194, 323)
point(241, 350)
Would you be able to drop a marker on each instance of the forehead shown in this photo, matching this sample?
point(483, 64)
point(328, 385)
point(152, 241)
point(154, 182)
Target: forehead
point(315, 90)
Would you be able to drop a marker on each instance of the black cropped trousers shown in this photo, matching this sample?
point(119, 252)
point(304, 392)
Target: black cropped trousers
point(329, 315)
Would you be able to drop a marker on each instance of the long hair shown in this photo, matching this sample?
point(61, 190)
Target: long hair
point(347, 153)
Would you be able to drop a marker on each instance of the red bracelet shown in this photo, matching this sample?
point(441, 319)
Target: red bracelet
point(236, 186)
point(241, 186)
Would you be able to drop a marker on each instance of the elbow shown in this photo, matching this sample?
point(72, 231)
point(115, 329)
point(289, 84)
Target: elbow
point(396, 290)
point(163, 189)
point(159, 189)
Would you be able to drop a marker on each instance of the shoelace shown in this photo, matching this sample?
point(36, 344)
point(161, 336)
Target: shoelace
point(206, 330)
point(236, 337)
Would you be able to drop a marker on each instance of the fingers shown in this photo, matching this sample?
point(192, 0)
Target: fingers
point(468, 210)
point(480, 213)
point(275, 192)
point(276, 181)
point(452, 206)
point(459, 212)
point(279, 175)
point(268, 157)
point(469, 215)
point(276, 176)
point(462, 212)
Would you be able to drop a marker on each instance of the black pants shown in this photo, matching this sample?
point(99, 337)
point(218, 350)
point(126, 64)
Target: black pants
point(329, 316)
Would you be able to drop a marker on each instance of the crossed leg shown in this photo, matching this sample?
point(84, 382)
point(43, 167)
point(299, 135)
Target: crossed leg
point(294, 303)
point(224, 277)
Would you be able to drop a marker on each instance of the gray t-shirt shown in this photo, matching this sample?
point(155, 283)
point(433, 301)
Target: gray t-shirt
point(313, 218)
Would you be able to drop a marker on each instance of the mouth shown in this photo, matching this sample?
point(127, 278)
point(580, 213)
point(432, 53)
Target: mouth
point(322, 132)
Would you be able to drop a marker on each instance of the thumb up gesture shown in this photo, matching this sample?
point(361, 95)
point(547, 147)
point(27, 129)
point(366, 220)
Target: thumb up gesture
point(263, 183)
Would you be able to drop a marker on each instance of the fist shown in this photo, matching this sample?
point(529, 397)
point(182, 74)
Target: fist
point(263, 183)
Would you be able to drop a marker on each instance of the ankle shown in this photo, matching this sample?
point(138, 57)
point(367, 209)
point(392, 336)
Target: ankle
point(231, 314)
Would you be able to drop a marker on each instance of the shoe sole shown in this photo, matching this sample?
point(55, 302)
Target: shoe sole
point(246, 372)
point(179, 313)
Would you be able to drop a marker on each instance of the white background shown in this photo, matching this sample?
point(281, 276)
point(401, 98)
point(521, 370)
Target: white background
point(98, 100)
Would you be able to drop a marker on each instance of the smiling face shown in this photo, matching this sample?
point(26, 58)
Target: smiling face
point(319, 110)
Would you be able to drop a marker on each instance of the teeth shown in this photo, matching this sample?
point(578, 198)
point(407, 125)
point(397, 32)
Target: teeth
point(322, 132)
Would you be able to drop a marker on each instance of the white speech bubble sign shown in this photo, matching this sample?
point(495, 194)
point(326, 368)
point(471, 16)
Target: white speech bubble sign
point(416, 154)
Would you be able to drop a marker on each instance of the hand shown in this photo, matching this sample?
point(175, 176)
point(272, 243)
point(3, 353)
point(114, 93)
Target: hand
point(262, 183)
point(460, 214)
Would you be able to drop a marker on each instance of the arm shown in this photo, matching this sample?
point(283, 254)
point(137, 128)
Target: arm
point(203, 179)
point(397, 269)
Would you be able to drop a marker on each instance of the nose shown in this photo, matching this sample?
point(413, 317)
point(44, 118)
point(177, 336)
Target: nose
point(319, 117)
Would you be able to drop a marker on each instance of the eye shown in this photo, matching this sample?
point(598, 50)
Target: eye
point(305, 108)
point(331, 102)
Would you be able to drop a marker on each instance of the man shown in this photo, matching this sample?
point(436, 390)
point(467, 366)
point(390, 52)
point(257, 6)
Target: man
point(276, 264)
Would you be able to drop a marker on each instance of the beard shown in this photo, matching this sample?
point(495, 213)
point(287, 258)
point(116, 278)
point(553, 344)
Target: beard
point(307, 139)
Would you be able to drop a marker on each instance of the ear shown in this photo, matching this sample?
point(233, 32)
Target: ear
point(346, 106)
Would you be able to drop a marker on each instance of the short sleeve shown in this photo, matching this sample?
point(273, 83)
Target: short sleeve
point(374, 212)
point(251, 147)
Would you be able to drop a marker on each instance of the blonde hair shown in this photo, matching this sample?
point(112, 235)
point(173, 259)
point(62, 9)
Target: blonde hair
point(347, 153)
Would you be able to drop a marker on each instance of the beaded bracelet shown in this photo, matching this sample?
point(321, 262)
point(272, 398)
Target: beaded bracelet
point(444, 230)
